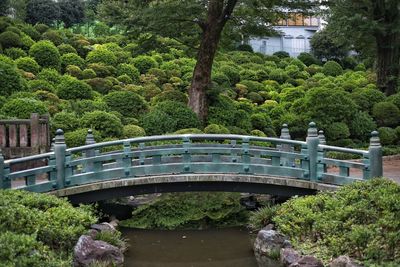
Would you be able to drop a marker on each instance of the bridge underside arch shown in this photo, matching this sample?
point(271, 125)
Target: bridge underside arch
point(273, 185)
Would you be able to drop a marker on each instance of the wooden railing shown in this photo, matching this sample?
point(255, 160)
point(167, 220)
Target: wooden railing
point(185, 154)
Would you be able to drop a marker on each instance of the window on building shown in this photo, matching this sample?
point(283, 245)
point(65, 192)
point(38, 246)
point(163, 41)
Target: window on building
point(295, 19)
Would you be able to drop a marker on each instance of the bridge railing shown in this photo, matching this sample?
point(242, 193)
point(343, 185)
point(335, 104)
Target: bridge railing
point(185, 154)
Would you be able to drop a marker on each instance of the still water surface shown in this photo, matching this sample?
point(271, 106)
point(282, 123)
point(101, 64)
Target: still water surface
point(189, 248)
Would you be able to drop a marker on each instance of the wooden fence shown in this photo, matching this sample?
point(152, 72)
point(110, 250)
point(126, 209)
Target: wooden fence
point(25, 137)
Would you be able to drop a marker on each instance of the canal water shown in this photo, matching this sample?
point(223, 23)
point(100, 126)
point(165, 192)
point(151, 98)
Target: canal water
point(189, 248)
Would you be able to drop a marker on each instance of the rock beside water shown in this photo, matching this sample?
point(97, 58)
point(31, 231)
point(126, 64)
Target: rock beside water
point(307, 261)
point(344, 261)
point(269, 242)
point(87, 250)
point(289, 256)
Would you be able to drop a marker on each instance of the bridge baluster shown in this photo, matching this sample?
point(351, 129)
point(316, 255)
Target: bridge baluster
point(321, 154)
point(187, 158)
point(285, 134)
point(60, 150)
point(375, 156)
point(3, 182)
point(312, 149)
point(246, 155)
point(127, 160)
point(90, 152)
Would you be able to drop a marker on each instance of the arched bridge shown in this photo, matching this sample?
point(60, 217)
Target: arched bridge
point(204, 162)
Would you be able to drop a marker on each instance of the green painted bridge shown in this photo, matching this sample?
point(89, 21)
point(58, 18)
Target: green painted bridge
point(201, 162)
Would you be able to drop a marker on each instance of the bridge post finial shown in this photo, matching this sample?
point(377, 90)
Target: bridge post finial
point(312, 149)
point(321, 137)
point(285, 134)
point(375, 155)
point(60, 153)
point(89, 167)
point(52, 144)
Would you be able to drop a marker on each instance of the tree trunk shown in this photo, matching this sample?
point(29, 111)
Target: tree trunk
point(388, 60)
point(217, 16)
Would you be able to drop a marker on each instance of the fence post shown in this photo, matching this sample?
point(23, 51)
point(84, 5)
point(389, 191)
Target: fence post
point(35, 134)
point(321, 137)
point(375, 155)
point(90, 152)
point(2, 181)
point(285, 134)
point(59, 151)
point(312, 148)
point(321, 154)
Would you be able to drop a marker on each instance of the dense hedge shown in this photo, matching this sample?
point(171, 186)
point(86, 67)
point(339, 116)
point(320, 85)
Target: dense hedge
point(361, 220)
point(39, 229)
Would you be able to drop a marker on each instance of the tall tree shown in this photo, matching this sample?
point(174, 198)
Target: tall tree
point(42, 11)
point(71, 11)
point(176, 19)
point(4, 7)
point(371, 25)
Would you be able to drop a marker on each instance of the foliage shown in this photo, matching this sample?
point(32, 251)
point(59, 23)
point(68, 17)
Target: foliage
point(106, 123)
point(263, 216)
point(180, 113)
point(101, 55)
point(72, 88)
point(216, 129)
point(71, 59)
point(23, 107)
point(9, 39)
point(40, 220)
point(324, 46)
point(386, 114)
point(10, 80)
point(362, 125)
point(360, 220)
point(144, 63)
point(157, 122)
point(46, 54)
point(65, 121)
point(27, 64)
point(71, 11)
point(332, 68)
point(15, 52)
point(127, 103)
point(131, 131)
point(77, 137)
point(42, 11)
point(387, 135)
point(189, 210)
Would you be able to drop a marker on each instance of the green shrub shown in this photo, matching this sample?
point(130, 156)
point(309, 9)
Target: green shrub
point(180, 113)
point(64, 120)
point(263, 216)
point(127, 103)
point(360, 220)
point(72, 59)
point(41, 28)
point(395, 99)
point(72, 88)
point(100, 85)
point(260, 121)
point(9, 39)
point(100, 69)
point(189, 131)
point(83, 106)
point(50, 75)
point(66, 49)
point(88, 74)
point(171, 95)
point(14, 52)
point(232, 73)
point(101, 56)
point(332, 68)
point(336, 131)
point(366, 98)
point(281, 54)
point(129, 70)
point(77, 137)
point(36, 85)
point(28, 64)
point(53, 36)
point(10, 80)
point(144, 63)
point(46, 54)
point(387, 135)
point(157, 122)
point(361, 126)
point(31, 32)
point(108, 124)
point(216, 129)
point(22, 108)
point(131, 130)
point(386, 114)
point(308, 59)
point(278, 75)
point(73, 71)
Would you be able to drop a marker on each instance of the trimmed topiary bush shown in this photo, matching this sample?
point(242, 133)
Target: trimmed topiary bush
point(129, 70)
point(9, 39)
point(180, 113)
point(10, 80)
point(64, 120)
point(72, 59)
point(66, 49)
point(46, 54)
point(172, 95)
point(127, 103)
point(101, 56)
point(50, 75)
point(332, 68)
point(22, 108)
point(28, 64)
point(36, 85)
point(361, 126)
point(78, 137)
point(108, 124)
point(143, 63)
point(308, 59)
point(386, 114)
point(366, 98)
point(216, 129)
point(14, 52)
point(387, 135)
point(281, 54)
point(131, 131)
point(72, 88)
point(157, 122)
point(336, 131)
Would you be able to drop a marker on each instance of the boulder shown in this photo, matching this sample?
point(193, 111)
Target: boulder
point(103, 227)
point(307, 261)
point(269, 242)
point(87, 250)
point(289, 256)
point(344, 261)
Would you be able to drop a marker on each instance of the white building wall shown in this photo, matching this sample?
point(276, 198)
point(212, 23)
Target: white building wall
point(293, 39)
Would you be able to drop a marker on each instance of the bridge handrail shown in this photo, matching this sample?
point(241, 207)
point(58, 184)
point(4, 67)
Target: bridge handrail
point(209, 137)
point(247, 155)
